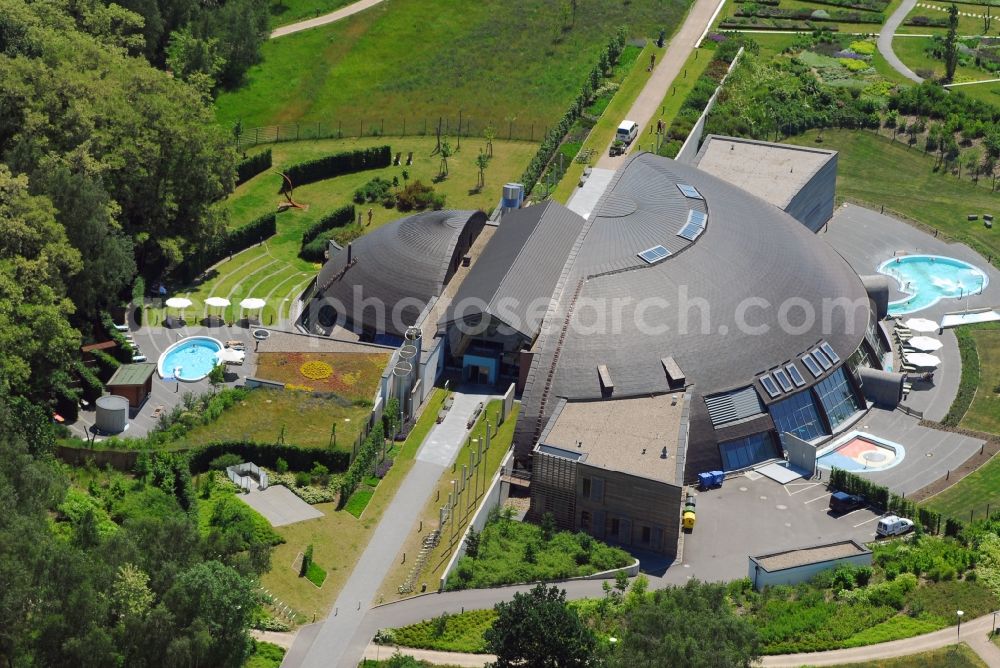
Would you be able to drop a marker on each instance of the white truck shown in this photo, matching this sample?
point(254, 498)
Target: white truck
point(893, 526)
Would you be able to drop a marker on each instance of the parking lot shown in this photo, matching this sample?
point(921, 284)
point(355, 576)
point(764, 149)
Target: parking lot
point(755, 515)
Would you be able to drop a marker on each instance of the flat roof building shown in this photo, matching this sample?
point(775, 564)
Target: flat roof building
point(803, 564)
point(133, 381)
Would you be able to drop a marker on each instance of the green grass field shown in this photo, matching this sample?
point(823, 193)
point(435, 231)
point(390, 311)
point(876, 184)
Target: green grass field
point(912, 51)
point(306, 420)
point(275, 273)
point(984, 413)
point(406, 59)
point(876, 171)
point(284, 12)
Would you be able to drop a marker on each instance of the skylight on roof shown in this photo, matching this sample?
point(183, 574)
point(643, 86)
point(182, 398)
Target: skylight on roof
point(796, 376)
point(654, 254)
point(697, 218)
point(689, 191)
point(769, 385)
point(828, 349)
point(810, 363)
point(690, 232)
point(821, 358)
point(783, 380)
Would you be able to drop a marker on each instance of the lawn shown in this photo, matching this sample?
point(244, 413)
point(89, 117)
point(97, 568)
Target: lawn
point(450, 633)
point(353, 376)
point(338, 538)
point(265, 655)
point(274, 272)
point(492, 60)
point(952, 656)
point(428, 519)
point(284, 12)
point(875, 171)
point(512, 552)
point(912, 51)
point(304, 419)
point(984, 413)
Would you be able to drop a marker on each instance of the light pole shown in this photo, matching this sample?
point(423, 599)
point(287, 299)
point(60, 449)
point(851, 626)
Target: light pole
point(959, 613)
point(994, 631)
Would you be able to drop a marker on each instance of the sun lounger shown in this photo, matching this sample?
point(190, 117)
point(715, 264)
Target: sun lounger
point(236, 344)
point(138, 358)
point(121, 328)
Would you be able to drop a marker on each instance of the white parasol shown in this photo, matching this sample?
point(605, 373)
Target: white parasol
point(923, 360)
point(179, 303)
point(252, 303)
point(924, 343)
point(230, 356)
point(921, 325)
point(220, 302)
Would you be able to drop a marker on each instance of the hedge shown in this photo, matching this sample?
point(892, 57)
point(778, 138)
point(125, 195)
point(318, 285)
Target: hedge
point(106, 364)
point(339, 164)
point(233, 242)
point(970, 378)
point(267, 454)
point(363, 462)
point(336, 218)
point(138, 298)
point(315, 250)
point(91, 386)
point(550, 143)
point(880, 497)
point(253, 166)
point(123, 350)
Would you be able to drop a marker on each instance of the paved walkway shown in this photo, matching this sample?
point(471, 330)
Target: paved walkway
point(885, 40)
point(329, 643)
point(670, 66)
point(332, 17)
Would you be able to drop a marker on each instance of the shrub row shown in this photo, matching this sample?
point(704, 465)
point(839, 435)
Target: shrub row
point(806, 14)
point(268, 454)
point(552, 139)
point(935, 21)
point(138, 298)
point(363, 462)
point(90, 385)
point(880, 497)
point(233, 242)
point(106, 364)
point(863, 5)
point(339, 164)
point(970, 378)
point(252, 166)
point(123, 350)
point(337, 218)
point(740, 22)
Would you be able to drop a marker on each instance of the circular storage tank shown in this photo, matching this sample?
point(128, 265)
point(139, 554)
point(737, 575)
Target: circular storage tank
point(112, 414)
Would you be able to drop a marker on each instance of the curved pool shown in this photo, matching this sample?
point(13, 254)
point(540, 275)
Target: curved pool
point(189, 359)
point(927, 279)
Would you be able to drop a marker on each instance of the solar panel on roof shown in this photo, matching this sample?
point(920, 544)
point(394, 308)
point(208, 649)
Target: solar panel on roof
point(828, 349)
point(689, 191)
point(796, 376)
point(810, 363)
point(654, 254)
point(821, 358)
point(769, 385)
point(783, 379)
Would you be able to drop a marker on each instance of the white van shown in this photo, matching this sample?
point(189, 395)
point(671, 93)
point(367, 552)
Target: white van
point(893, 526)
point(627, 132)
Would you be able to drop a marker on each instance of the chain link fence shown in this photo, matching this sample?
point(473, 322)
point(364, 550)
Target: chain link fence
point(457, 127)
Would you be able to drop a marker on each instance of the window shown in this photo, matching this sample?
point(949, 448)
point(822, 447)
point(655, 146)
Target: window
point(747, 451)
point(769, 385)
point(810, 363)
point(797, 378)
point(797, 415)
point(821, 358)
point(585, 521)
point(783, 380)
point(837, 397)
point(615, 526)
point(586, 488)
point(689, 191)
point(654, 254)
point(830, 352)
point(647, 535)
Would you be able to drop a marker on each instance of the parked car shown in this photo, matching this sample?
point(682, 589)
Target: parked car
point(893, 526)
point(842, 502)
point(627, 132)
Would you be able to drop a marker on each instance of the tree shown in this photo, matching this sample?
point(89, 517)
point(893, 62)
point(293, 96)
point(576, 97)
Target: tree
point(489, 133)
point(446, 153)
point(548, 526)
point(197, 61)
point(951, 45)
point(987, 20)
point(482, 161)
point(472, 541)
point(538, 629)
point(973, 160)
point(217, 376)
point(692, 626)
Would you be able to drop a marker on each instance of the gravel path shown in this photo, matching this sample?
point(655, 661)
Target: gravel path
point(332, 17)
point(885, 40)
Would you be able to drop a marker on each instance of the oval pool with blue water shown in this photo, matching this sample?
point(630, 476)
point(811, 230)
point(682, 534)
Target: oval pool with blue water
point(189, 359)
point(927, 279)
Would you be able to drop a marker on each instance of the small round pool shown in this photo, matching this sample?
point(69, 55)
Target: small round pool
point(189, 359)
point(927, 279)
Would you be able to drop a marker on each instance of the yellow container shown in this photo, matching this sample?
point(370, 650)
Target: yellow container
point(687, 519)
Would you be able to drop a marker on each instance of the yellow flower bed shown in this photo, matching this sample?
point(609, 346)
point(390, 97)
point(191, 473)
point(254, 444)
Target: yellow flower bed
point(316, 370)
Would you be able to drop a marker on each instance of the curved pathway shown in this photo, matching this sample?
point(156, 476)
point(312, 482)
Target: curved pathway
point(885, 40)
point(332, 17)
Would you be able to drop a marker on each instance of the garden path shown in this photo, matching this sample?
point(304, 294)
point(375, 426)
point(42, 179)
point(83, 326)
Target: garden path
point(888, 32)
point(332, 17)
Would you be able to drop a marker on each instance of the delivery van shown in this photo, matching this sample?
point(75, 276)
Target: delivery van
point(893, 526)
point(627, 132)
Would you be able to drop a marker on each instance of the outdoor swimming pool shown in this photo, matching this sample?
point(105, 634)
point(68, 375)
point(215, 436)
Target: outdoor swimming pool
point(860, 451)
point(189, 359)
point(927, 279)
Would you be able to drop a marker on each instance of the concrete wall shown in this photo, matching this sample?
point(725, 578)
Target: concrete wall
point(689, 150)
point(801, 454)
point(761, 578)
point(813, 204)
point(431, 367)
point(260, 382)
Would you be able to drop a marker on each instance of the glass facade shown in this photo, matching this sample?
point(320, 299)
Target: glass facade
point(798, 415)
point(743, 452)
point(837, 397)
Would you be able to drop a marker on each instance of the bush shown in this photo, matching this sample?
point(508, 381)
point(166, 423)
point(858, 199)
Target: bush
point(267, 454)
point(339, 164)
point(306, 560)
point(374, 191)
point(222, 462)
point(362, 464)
point(232, 242)
point(417, 196)
point(106, 364)
point(252, 166)
point(315, 250)
point(337, 218)
point(91, 385)
point(138, 297)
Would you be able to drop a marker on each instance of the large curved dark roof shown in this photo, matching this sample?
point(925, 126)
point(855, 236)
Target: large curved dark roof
point(749, 249)
point(407, 259)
